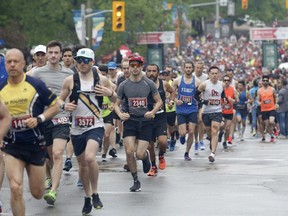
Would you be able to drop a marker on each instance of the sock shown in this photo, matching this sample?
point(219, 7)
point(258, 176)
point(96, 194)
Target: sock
point(135, 176)
point(153, 163)
point(161, 153)
point(186, 154)
point(68, 159)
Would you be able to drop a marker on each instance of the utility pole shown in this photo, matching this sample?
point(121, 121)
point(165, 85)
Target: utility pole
point(83, 24)
point(217, 30)
point(89, 24)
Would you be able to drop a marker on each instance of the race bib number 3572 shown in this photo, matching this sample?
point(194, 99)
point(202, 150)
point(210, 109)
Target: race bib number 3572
point(87, 121)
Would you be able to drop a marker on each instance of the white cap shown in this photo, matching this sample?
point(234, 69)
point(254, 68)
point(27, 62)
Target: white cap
point(40, 48)
point(86, 53)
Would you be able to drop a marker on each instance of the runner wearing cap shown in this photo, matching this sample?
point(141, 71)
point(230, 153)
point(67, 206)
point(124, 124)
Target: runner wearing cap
point(86, 90)
point(140, 109)
point(39, 58)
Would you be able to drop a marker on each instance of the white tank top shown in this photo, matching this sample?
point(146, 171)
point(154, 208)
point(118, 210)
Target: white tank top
point(83, 118)
point(203, 77)
point(213, 94)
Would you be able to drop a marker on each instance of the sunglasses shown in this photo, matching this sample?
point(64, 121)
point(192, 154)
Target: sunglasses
point(265, 80)
point(151, 70)
point(226, 80)
point(138, 65)
point(85, 60)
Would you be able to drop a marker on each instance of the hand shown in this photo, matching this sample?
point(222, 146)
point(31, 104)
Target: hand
point(124, 116)
point(70, 107)
point(276, 106)
point(149, 115)
point(31, 122)
point(179, 102)
point(103, 91)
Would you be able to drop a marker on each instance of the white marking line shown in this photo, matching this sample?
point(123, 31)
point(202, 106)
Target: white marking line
point(234, 159)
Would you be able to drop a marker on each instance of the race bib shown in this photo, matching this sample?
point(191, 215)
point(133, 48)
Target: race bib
point(18, 122)
point(60, 120)
point(138, 102)
point(268, 101)
point(227, 106)
point(105, 106)
point(186, 99)
point(84, 121)
point(214, 102)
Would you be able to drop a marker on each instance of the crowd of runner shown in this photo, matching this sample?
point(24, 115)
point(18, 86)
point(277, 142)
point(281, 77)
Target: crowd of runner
point(68, 105)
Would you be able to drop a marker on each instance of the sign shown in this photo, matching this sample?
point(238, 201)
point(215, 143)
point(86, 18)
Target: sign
point(156, 37)
point(269, 55)
point(269, 33)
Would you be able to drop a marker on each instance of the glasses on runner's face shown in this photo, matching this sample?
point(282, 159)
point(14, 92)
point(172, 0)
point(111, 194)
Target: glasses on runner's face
point(265, 80)
point(85, 60)
point(138, 65)
point(226, 80)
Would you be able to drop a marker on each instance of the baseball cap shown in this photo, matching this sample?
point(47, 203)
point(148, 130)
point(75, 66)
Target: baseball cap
point(111, 65)
point(40, 48)
point(103, 68)
point(86, 53)
point(136, 58)
point(164, 72)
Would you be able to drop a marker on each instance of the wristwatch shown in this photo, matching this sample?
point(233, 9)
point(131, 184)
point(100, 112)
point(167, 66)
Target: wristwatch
point(39, 120)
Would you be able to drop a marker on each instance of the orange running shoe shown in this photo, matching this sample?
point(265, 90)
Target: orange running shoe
point(162, 163)
point(153, 171)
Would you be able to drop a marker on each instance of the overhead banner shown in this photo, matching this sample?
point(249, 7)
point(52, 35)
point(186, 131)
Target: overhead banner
point(97, 27)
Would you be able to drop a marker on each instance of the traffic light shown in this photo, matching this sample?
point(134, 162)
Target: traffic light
point(118, 16)
point(244, 4)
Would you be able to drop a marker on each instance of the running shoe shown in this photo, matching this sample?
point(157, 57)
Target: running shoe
point(220, 135)
point(229, 139)
point(146, 163)
point(196, 152)
point(254, 133)
point(172, 145)
point(276, 133)
point(153, 171)
point(182, 140)
point(104, 158)
point(225, 145)
point(67, 165)
point(87, 208)
point(48, 183)
point(263, 139)
point(79, 183)
point(272, 139)
point(211, 158)
point(241, 137)
point(136, 186)
point(202, 145)
point(113, 152)
point(186, 157)
point(97, 204)
point(162, 163)
point(50, 197)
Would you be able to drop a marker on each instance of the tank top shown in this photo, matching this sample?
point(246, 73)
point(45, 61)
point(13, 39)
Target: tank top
point(186, 95)
point(173, 109)
point(266, 97)
point(106, 105)
point(228, 108)
point(213, 94)
point(83, 119)
point(162, 96)
point(241, 105)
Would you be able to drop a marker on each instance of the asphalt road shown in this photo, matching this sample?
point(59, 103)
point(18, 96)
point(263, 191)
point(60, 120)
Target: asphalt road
point(249, 179)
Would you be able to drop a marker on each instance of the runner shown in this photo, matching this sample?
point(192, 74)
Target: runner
point(267, 100)
point(57, 130)
point(186, 106)
point(138, 117)
point(160, 120)
point(24, 146)
point(213, 92)
point(87, 128)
